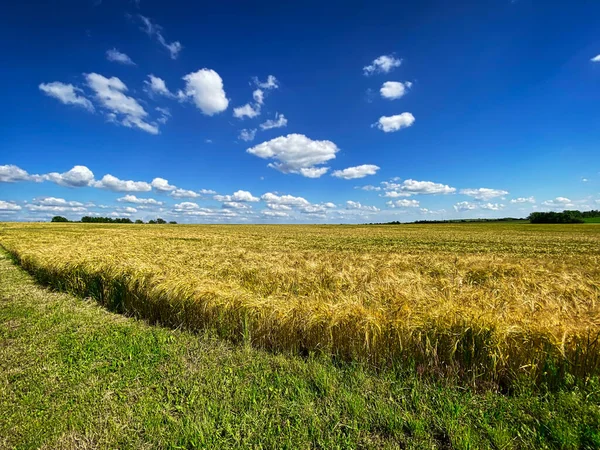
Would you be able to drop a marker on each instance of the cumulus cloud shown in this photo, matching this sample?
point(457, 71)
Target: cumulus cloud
point(383, 64)
point(393, 90)
point(158, 86)
point(464, 206)
point(67, 94)
point(288, 200)
point(296, 153)
point(153, 29)
point(414, 187)
point(356, 172)
point(247, 110)
point(259, 96)
point(238, 196)
point(484, 193)
point(110, 92)
point(10, 174)
point(78, 176)
point(279, 122)
point(205, 88)
point(596, 58)
point(274, 213)
point(162, 185)
point(236, 205)
point(186, 206)
point(523, 200)
point(247, 135)
point(368, 187)
point(492, 206)
point(139, 201)
point(271, 83)
point(403, 203)
point(114, 184)
point(115, 55)
point(559, 202)
point(184, 193)
point(389, 124)
point(357, 205)
point(8, 206)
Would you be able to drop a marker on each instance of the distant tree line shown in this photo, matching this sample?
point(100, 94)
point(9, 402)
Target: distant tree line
point(503, 219)
point(567, 216)
point(90, 219)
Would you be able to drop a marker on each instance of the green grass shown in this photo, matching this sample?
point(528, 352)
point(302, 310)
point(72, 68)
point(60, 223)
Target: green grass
point(73, 375)
point(592, 220)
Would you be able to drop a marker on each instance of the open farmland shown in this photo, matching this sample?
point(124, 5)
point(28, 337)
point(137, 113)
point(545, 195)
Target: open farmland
point(492, 302)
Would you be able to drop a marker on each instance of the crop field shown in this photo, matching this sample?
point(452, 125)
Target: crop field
point(489, 302)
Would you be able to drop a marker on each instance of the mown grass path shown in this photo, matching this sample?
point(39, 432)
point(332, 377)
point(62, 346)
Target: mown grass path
point(73, 375)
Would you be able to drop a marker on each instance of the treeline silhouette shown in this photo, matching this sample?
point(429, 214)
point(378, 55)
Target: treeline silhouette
point(567, 216)
point(89, 219)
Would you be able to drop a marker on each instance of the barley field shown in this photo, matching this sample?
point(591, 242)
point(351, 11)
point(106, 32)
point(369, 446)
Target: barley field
point(492, 302)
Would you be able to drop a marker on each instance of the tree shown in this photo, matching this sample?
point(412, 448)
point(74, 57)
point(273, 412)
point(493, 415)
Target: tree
point(139, 221)
point(152, 222)
point(59, 219)
point(172, 222)
point(161, 221)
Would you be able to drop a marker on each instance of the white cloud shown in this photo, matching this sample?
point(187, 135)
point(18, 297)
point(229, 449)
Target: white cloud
point(278, 207)
point(492, 206)
point(464, 206)
point(115, 55)
point(288, 200)
point(296, 153)
point(158, 86)
point(139, 201)
point(280, 121)
point(67, 94)
point(8, 206)
point(390, 124)
point(559, 202)
point(165, 114)
point(205, 87)
point(259, 96)
point(207, 191)
point(236, 205)
point(414, 187)
point(54, 201)
point(186, 206)
point(403, 203)
point(383, 64)
point(312, 172)
point(10, 173)
point(484, 193)
point(596, 58)
point(184, 193)
point(368, 187)
point(153, 29)
point(110, 93)
point(247, 135)
point(162, 185)
point(275, 213)
point(114, 184)
point(271, 83)
point(78, 176)
point(356, 172)
point(393, 90)
point(523, 200)
point(246, 111)
point(357, 205)
point(238, 196)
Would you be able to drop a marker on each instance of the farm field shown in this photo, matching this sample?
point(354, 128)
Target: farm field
point(487, 303)
point(74, 375)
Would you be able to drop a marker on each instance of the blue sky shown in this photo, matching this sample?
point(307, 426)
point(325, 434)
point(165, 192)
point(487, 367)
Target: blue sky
point(285, 112)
